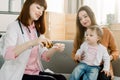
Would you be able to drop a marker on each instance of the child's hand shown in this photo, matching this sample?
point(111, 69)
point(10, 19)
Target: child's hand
point(77, 57)
point(106, 72)
point(59, 46)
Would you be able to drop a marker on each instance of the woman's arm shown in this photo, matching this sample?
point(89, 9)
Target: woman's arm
point(56, 47)
point(114, 52)
point(14, 43)
point(109, 41)
point(20, 48)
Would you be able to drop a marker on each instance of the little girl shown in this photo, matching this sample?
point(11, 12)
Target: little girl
point(93, 53)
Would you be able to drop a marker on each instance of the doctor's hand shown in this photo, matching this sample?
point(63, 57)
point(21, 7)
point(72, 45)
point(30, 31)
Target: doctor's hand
point(44, 42)
point(59, 47)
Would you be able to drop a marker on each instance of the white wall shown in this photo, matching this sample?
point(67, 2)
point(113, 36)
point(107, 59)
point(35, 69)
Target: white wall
point(4, 5)
point(10, 5)
point(55, 6)
point(5, 19)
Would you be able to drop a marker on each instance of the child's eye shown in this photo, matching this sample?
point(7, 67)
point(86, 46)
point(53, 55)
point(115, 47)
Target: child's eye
point(91, 35)
point(86, 35)
point(38, 7)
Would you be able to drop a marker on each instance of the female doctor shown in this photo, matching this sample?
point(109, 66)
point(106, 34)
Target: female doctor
point(25, 34)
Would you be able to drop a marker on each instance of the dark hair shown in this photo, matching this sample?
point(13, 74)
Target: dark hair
point(25, 15)
point(80, 29)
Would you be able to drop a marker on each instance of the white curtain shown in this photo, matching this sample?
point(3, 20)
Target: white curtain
point(55, 6)
point(71, 6)
point(106, 11)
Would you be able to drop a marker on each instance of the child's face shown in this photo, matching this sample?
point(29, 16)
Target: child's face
point(91, 37)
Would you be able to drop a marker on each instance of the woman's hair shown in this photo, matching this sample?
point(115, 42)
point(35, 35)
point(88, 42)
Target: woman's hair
point(80, 29)
point(98, 31)
point(25, 15)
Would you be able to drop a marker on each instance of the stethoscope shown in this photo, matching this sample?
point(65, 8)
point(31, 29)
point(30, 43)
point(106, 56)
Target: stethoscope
point(20, 27)
point(21, 30)
point(38, 34)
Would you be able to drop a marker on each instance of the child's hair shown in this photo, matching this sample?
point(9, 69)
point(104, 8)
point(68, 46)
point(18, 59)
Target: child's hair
point(98, 31)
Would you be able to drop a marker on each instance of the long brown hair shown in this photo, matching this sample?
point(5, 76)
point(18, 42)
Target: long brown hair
point(80, 29)
point(25, 15)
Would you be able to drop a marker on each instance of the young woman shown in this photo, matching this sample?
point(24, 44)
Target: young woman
point(26, 34)
point(86, 18)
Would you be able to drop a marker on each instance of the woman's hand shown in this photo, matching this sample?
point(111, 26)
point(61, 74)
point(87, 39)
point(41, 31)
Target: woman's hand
point(59, 46)
point(45, 42)
point(48, 43)
point(41, 41)
point(107, 73)
point(56, 47)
